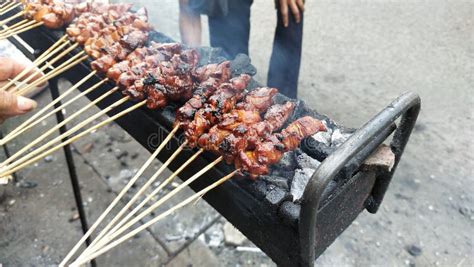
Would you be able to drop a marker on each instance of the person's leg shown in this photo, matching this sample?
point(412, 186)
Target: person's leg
point(286, 56)
point(231, 32)
point(189, 24)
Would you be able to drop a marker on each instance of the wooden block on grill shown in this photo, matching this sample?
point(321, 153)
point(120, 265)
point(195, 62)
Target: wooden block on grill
point(383, 158)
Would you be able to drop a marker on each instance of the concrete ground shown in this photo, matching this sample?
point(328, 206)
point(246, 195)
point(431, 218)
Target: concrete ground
point(357, 57)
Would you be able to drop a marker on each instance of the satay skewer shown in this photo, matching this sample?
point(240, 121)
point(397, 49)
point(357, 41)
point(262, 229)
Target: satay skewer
point(23, 29)
point(53, 49)
point(62, 68)
point(74, 129)
point(4, 4)
point(9, 7)
point(19, 14)
point(138, 194)
point(153, 207)
point(118, 198)
point(35, 119)
point(156, 191)
point(6, 28)
point(73, 139)
point(34, 69)
point(49, 64)
point(200, 194)
point(19, 25)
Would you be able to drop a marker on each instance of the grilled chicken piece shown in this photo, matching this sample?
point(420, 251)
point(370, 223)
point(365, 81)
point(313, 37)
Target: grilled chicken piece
point(270, 151)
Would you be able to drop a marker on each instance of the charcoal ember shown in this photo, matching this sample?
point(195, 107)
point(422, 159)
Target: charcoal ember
point(299, 182)
point(338, 137)
point(303, 160)
point(241, 64)
point(323, 137)
point(332, 185)
point(282, 173)
point(287, 162)
point(278, 181)
point(276, 196)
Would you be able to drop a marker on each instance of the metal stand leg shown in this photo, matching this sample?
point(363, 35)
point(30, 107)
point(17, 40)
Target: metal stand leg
point(53, 86)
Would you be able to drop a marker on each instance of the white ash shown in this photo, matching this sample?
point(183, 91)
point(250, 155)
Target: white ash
point(303, 160)
point(215, 236)
point(299, 182)
point(324, 137)
point(338, 137)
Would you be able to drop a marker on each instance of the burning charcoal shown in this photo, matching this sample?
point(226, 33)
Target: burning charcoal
point(303, 160)
point(278, 181)
point(287, 162)
point(299, 182)
point(276, 196)
point(323, 137)
point(338, 137)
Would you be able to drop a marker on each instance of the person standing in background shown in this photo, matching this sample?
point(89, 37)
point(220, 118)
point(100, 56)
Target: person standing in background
point(231, 31)
point(189, 24)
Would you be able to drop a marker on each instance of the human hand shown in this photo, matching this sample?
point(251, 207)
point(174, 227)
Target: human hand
point(296, 7)
point(11, 104)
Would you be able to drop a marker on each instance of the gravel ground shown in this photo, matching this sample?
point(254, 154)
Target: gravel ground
point(357, 57)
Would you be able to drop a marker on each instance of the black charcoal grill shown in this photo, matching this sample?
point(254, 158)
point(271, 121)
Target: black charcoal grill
point(292, 233)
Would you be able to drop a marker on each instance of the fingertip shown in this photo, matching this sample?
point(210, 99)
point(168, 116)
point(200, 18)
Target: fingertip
point(25, 104)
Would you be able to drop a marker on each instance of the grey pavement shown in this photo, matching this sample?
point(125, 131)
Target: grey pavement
point(357, 57)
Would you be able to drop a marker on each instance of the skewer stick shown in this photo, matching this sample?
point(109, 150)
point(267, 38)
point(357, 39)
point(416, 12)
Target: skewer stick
point(66, 134)
point(19, 25)
point(137, 195)
point(34, 120)
point(22, 30)
point(3, 22)
point(76, 137)
point(4, 4)
point(157, 204)
point(117, 199)
point(64, 67)
point(50, 63)
point(137, 230)
point(56, 47)
point(6, 28)
point(9, 7)
point(155, 192)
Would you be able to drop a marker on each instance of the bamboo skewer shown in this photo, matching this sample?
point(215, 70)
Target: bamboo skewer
point(43, 57)
point(154, 193)
point(9, 7)
point(19, 14)
point(157, 204)
point(49, 64)
point(74, 138)
point(63, 67)
point(137, 195)
point(34, 120)
point(137, 230)
point(6, 28)
point(117, 199)
point(4, 4)
point(32, 69)
point(66, 134)
point(19, 25)
point(37, 24)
